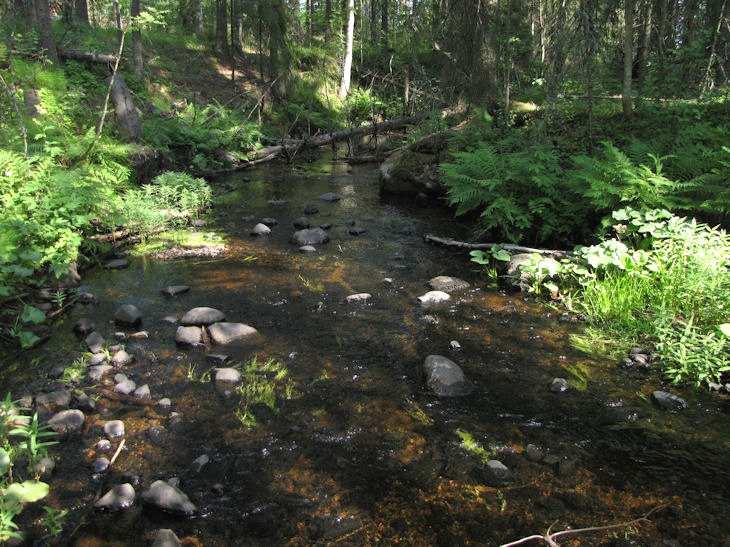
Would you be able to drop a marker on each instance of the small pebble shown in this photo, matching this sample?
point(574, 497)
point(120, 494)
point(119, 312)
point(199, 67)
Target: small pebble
point(114, 429)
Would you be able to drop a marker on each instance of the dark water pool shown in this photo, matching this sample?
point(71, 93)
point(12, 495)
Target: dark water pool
point(361, 452)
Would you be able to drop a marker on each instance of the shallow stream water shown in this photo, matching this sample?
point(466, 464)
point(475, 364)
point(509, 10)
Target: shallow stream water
point(358, 450)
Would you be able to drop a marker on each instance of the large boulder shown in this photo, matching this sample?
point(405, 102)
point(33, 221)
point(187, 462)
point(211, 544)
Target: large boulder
point(189, 336)
point(311, 236)
point(445, 377)
point(128, 315)
point(230, 333)
point(202, 316)
point(410, 173)
point(67, 421)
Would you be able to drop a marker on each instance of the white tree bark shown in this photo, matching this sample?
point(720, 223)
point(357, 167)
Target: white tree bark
point(350, 39)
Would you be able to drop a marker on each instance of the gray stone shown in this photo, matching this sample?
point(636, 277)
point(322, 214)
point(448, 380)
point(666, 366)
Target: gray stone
point(128, 315)
point(95, 341)
point(445, 377)
point(86, 297)
point(125, 387)
point(307, 249)
point(143, 392)
point(454, 345)
point(330, 197)
point(97, 359)
point(97, 372)
point(141, 335)
point(202, 316)
point(534, 453)
point(230, 333)
point(448, 284)
point(175, 290)
point(164, 537)
point(164, 403)
point(169, 319)
point(260, 229)
point(118, 498)
point(100, 465)
point(168, 498)
point(358, 298)
point(44, 467)
point(120, 377)
point(434, 298)
point(200, 462)
point(302, 223)
point(84, 402)
point(104, 445)
point(668, 401)
point(189, 336)
point(84, 326)
point(559, 385)
point(114, 429)
point(115, 348)
point(120, 335)
point(270, 222)
point(117, 264)
point(313, 236)
point(497, 471)
point(53, 400)
point(228, 375)
point(67, 421)
point(121, 358)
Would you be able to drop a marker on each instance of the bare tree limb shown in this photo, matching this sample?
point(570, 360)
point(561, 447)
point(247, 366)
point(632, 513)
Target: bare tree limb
point(447, 242)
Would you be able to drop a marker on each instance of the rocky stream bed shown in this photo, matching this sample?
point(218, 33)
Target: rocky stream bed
point(322, 375)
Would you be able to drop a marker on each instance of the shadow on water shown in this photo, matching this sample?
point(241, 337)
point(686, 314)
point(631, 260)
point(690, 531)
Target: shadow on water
point(363, 452)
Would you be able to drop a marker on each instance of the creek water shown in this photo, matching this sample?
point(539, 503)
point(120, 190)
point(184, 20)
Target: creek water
point(357, 450)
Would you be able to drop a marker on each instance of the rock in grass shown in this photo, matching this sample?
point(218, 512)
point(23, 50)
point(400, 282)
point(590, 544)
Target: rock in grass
point(67, 421)
point(175, 290)
point(559, 385)
point(445, 377)
point(313, 236)
point(164, 537)
point(668, 401)
point(260, 229)
point(168, 498)
point(434, 298)
point(202, 316)
point(228, 375)
point(448, 284)
point(128, 315)
point(232, 333)
point(189, 336)
point(95, 342)
point(117, 499)
point(358, 298)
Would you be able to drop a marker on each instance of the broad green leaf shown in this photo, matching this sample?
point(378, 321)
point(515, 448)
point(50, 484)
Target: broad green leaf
point(27, 491)
point(27, 339)
point(32, 314)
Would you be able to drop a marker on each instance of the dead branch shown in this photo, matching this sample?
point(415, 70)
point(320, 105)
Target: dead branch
point(447, 242)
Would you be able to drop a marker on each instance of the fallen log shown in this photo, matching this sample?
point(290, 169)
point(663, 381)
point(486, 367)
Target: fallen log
point(291, 147)
point(448, 242)
point(88, 56)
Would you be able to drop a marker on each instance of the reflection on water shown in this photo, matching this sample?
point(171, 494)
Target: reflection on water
point(362, 452)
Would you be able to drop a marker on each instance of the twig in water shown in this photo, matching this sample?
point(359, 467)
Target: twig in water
point(550, 537)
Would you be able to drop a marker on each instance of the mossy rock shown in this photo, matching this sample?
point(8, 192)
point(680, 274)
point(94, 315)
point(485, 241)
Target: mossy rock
point(409, 173)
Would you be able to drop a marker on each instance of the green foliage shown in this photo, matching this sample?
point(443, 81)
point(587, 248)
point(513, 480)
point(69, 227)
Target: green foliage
point(663, 280)
point(264, 383)
point(474, 447)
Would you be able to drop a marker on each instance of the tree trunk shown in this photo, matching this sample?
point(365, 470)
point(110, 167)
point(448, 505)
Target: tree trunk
point(127, 116)
point(644, 45)
point(137, 55)
point(708, 80)
point(221, 27)
point(82, 11)
point(197, 7)
point(384, 22)
point(628, 55)
point(349, 40)
point(327, 14)
point(45, 29)
point(373, 22)
point(237, 38)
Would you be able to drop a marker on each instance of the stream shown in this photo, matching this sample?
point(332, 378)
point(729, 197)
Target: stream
point(354, 447)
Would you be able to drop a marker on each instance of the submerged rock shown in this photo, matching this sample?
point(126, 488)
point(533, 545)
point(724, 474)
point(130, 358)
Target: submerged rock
point(84, 326)
point(496, 472)
point(311, 210)
point(358, 298)
point(313, 236)
point(534, 453)
point(445, 377)
point(168, 498)
point(434, 298)
point(330, 197)
point(302, 223)
point(448, 284)
point(174, 290)
point(100, 465)
point(164, 537)
point(229, 333)
point(200, 462)
point(260, 229)
point(202, 316)
point(270, 222)
point(357, 231)
point(53, 400)
point(559, 385)
point(189, 336)
point(117, 264)
point(114, 429)
point(95, 342)
point(118, 498)
point(67, 421)
point(128, 315)
point(668, 401)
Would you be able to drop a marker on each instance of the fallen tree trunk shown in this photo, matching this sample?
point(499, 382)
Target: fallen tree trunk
point(447, 242)
point(88, 56)
point(291, 147)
